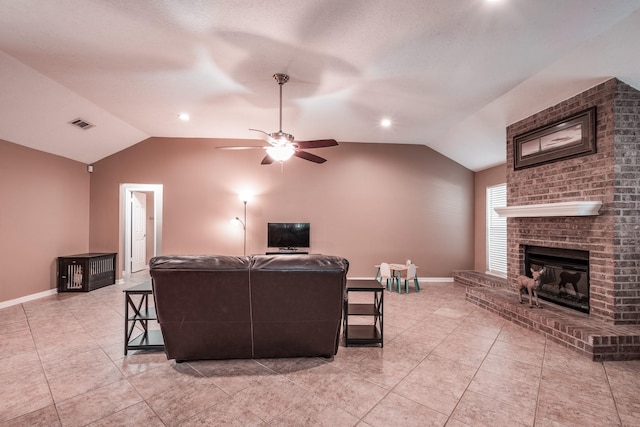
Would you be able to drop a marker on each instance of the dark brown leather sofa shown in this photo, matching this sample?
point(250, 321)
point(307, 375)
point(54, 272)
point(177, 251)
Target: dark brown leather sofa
point(225, 307)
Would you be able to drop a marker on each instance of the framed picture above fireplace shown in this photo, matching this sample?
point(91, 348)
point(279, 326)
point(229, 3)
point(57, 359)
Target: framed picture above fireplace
point(570, 137)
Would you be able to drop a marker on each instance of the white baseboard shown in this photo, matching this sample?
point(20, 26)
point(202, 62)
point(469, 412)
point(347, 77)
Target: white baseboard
point(420, 279)
point(11, 302)
point(436, 279)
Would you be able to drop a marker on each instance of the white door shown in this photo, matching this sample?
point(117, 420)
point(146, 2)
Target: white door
point(138, 231)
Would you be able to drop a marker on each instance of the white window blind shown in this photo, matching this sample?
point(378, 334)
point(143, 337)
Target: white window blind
point(496, 230)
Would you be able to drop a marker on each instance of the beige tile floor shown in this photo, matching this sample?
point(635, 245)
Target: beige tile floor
point(445, 362)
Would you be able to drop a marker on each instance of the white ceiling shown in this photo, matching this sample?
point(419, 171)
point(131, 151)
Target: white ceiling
point(450, 74)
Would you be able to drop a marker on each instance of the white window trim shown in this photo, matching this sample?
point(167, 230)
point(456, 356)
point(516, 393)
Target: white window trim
point(496, 196)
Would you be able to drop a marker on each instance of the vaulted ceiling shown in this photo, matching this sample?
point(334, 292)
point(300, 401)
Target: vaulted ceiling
point(449, 74)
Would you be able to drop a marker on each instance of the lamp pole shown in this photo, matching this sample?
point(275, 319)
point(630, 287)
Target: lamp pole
point(244, 228)
point(244, 198)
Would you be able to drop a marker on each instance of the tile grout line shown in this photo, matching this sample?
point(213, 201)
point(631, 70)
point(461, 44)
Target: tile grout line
point(44, 374)
point(450, 418)
point(613, 396)
point(544, 356)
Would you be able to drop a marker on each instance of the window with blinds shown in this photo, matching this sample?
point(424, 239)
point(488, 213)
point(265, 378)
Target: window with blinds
point(496, 230)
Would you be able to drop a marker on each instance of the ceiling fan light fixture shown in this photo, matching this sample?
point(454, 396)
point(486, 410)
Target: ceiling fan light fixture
point(281, 154)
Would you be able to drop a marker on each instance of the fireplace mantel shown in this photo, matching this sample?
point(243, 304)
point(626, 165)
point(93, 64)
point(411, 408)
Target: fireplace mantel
point(575, 208)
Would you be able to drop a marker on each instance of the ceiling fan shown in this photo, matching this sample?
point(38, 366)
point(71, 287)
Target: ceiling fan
point(282, 145)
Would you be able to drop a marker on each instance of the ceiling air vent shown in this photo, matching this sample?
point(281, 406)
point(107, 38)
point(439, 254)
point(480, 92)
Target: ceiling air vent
point(82, 124)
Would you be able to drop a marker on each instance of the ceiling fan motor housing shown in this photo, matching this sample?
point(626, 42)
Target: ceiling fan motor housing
point(281, 138)
point(281, 78)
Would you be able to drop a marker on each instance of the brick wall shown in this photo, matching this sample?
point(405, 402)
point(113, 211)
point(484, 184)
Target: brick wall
point(626, 204)
point(611, 175)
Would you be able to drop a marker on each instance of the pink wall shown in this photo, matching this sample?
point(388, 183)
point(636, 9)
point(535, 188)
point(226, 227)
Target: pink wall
point(483, 179)
point(368, 203)
point(44, 213)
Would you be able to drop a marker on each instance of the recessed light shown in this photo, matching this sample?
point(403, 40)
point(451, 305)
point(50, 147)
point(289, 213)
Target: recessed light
point(385, 123)
point(184, 117)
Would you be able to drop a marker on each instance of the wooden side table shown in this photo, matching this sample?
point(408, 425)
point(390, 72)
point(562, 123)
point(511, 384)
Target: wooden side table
point(364, 334)
point(139, 313)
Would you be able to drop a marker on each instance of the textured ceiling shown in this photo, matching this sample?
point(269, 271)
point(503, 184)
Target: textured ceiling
point(450, 74)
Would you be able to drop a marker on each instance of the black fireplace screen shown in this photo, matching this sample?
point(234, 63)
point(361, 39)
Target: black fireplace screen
point(565, 280)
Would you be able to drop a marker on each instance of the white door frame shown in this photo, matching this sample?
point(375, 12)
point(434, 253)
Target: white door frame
point(126, 191)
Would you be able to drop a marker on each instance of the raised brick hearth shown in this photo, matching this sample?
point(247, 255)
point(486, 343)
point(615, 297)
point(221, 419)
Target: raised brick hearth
point(611, 238)
point(593, 338)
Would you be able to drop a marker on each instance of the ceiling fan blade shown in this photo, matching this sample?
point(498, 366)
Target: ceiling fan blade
point(308, 156)
point(267, 160)
point(319, 143)
point(239, 147)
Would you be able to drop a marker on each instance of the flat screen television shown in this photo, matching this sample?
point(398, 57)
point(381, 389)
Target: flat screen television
point(288, 235)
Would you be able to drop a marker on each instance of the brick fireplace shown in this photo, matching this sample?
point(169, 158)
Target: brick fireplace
point(612, 176)
point(609, 241)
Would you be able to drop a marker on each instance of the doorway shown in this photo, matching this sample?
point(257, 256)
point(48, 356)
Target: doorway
point(139, 231)
point(142, 222)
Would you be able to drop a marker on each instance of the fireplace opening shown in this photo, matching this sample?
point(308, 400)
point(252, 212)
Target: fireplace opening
point(565, 280)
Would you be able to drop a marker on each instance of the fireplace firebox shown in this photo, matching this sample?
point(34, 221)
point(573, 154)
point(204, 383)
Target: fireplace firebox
point(565, 280)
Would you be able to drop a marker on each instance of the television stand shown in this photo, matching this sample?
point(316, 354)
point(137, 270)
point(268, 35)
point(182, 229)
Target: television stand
point(287, 251)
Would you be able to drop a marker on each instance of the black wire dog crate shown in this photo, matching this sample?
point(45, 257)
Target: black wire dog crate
point(86, 272)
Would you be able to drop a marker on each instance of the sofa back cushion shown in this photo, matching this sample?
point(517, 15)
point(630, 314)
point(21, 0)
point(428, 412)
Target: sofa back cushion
point(220, 281)
point(296, 304)
point(203, 306)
